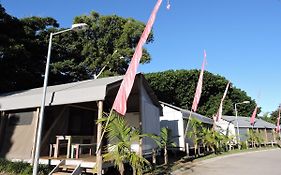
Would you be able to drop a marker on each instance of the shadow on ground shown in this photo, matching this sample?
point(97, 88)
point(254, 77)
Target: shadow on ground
point(179, 163)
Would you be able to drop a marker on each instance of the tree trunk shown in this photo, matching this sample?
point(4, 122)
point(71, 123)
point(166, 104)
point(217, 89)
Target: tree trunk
point(195, 150)
point(134, 171)
point(121, 169)
point(153, 157)
point(166, 155)
point(204, 149)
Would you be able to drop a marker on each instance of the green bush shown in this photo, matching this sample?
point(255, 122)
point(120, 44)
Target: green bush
point(3, 164)
point(21, 168)
point(17, 167)
point(243, 145)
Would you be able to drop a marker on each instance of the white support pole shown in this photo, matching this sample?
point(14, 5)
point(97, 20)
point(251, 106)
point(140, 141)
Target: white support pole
point(40, 123)
point(36, 117)
point(141, 114)
point(99, 139)
point(2, 127)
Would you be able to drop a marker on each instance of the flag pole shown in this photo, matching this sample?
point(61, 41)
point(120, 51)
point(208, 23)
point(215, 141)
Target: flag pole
point(104, 130)
point(187, 125)
point(197, 95)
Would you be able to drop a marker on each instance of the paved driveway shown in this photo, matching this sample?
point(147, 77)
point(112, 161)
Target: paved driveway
point(253, 163)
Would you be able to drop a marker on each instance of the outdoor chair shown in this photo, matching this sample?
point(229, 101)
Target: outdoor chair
point(78, 149)
point(53, 146)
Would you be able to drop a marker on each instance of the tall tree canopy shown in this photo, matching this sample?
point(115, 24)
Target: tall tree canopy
point(177, 87)
point(271, 117)
point(110, 41)
point(21, 51)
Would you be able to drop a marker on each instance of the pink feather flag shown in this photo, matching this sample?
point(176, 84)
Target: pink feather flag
point(219, 113)
point(199, 86)
point(120, 102)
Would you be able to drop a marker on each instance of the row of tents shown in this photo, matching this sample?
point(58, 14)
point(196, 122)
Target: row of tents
point(176, 120)
point(72, 110)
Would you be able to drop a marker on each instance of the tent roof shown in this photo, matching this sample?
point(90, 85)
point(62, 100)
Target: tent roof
point(244, 122)
point(77, 92)
point(186, 113)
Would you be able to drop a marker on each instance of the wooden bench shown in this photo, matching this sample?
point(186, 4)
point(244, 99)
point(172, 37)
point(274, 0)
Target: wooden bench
point(78, 147)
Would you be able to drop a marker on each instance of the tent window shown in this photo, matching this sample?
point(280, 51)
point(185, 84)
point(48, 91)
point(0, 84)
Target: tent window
point(24, 118)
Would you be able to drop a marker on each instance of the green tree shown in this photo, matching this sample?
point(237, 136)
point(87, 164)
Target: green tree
point(109, 42)
point(255, 137)
point(194, 132)
point(270, 116)
point(208, 138)
point(165, 141)
point(22, 51)
point(177, 87)
point(222, 142)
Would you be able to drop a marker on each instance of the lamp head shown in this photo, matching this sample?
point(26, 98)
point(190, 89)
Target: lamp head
point(79, 26)
point(246, 102)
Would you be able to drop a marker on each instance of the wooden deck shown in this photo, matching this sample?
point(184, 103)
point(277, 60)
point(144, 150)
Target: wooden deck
point(85, 160)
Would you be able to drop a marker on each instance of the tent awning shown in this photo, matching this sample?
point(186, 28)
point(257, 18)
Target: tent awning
point(83, 91)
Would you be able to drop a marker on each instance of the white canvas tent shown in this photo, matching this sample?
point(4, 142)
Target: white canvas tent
point(228, 126)
point(175, 119)
point(71, 109)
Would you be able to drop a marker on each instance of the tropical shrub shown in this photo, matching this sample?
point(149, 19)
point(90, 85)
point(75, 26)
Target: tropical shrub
point(121, 138)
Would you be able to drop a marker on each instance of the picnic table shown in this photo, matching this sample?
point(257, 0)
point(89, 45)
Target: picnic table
point(68, 140)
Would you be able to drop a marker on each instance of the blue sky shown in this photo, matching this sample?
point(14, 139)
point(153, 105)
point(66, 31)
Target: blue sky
point(242, 37)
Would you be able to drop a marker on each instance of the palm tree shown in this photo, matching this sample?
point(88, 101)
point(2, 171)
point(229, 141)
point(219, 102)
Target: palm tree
point(255, 137)
point(208, 138)
point(259, 138)
point(165, 141)
point(195, 132)
point(121, 138)
point(251, 137)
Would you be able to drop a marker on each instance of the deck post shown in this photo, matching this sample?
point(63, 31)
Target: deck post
point(266, 139)
point(99, 131)
point(247, 140)
point(2, 127)
point(140, 114)
point(36, 117)
point(274, 139)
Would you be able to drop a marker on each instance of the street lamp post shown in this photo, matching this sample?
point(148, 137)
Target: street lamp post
point(42, 108)
point(237, 125)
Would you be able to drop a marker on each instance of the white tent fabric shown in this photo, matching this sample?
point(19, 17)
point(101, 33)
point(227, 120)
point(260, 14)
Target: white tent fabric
point(83, 91)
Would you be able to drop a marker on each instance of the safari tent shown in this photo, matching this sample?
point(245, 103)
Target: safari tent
point(229, 126)
point(175, 119)
point(70, 118)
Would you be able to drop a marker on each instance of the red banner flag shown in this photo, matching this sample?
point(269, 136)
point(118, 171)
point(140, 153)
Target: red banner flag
point(120, 103)
point(199, 86)
point(278, 121)
point(252, 119)
point(219, 113)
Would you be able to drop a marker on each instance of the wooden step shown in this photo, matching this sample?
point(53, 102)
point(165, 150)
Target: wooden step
point(61, 173)
point(67, 167)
